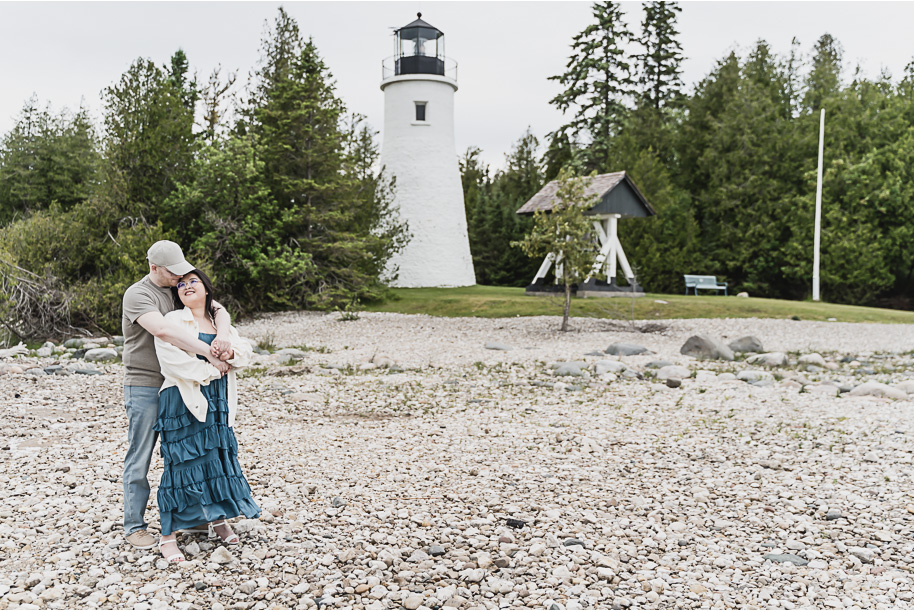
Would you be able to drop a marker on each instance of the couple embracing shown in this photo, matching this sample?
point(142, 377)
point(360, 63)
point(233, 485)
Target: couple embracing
point(181, 352)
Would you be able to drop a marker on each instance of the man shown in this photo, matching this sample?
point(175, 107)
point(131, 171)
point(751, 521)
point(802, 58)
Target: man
point(145, 303)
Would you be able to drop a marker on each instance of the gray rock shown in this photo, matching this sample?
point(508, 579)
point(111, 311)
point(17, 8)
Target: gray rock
point(705, 347)
point(673, 371)
point(602, 367)
point(771, 360)
point(747, 344)
point(45, 351)
point(497, 346)
point(753, 376)
point(864, 554)
point(828, 389)
point(656, 365)
point(337, 502)
point(88, 372)
point(117, 341)
point(221, 556)
point(574, 542)
point(412, 602)
point(36, 372)
point(568, 369)
point(624, 349)
point(294, 353)
point(814, 359)
point(74, 343)
point(101, 354)
point(877, 389)
point(436, 550)
point(247, 587)
point(632, 374)
point(833, 514)
point(787, 558)
point(673, 383)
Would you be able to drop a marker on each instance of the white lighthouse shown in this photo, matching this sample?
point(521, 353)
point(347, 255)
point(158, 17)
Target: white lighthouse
point(418, 149)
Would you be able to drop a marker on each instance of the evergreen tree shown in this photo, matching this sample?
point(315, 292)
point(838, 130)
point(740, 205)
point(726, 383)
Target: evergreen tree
point(45, 159)
point(824, 78)
point(659, 83)
point(318, 189)
point(149, 139)
point(597, 81)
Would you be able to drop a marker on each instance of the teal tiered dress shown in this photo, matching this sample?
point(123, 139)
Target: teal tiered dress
point(202, 480)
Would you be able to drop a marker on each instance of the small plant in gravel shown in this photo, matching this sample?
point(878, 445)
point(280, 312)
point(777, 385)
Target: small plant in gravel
point(267, 342)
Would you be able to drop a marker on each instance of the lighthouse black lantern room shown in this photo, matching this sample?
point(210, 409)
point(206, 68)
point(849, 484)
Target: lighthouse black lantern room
point(419, 49)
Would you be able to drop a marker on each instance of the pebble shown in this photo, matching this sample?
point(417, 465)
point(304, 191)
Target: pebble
point(221, 556)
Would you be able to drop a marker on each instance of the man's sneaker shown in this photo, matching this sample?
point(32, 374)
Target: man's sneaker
point(141, 539)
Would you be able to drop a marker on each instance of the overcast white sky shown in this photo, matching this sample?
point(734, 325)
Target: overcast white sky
point(68, 52)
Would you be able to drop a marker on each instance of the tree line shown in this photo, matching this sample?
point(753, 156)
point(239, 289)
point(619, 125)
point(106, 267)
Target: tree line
point(730, 167)
point(273, 188)
point(273, 185)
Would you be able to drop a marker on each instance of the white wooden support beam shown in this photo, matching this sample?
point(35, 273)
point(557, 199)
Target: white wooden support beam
point(627, 269)
point(544, 267)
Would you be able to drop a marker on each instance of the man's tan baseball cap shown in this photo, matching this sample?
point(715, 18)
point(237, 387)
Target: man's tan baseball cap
point(169, 255)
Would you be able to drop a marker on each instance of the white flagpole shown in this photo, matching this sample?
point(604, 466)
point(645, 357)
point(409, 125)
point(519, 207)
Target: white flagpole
point(815, 256)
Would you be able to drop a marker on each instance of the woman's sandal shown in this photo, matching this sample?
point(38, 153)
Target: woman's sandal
point(231, 539)
point(177, 557)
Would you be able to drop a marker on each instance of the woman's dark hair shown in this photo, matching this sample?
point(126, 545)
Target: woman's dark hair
point(210, 289)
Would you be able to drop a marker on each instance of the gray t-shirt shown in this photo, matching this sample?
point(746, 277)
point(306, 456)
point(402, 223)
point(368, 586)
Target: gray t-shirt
point(139, 345)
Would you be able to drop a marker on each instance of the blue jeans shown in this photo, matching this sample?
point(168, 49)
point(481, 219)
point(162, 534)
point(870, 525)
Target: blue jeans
point(142, 411)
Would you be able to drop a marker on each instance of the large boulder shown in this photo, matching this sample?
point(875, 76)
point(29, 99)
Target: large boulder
point(602, 367)
point(747, 344)
point(771, 360)
point(100, 354)
point(706, 347)
point(906, 385)
point(814, 359)
point(877, 389)
point(673, 371)
point(754, 376)
point(624, 349)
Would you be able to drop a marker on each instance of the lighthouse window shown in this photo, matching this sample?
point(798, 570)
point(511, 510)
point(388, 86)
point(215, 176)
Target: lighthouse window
point(420, 111)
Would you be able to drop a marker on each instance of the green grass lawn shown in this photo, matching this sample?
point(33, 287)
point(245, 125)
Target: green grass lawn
point(482, 301)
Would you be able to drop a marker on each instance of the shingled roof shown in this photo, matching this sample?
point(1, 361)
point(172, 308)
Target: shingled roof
point(617, 193)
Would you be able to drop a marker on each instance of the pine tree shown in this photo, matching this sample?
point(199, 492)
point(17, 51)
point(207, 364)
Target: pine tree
point(149, 140)
point(318, 187)
point(597, 81)
point(47, 158)
point(824, 78)
point(659, 82)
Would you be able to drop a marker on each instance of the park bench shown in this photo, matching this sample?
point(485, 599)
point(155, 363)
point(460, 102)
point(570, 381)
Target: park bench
point(696, 282)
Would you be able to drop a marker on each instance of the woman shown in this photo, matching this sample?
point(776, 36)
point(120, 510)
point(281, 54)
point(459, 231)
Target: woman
point(202, 481)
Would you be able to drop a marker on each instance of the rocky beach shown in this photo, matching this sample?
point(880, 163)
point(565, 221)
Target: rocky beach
point(406, 461)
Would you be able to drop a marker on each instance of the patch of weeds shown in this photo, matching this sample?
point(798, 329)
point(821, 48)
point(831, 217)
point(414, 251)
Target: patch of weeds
point(349, 313)
point(267, 342)
point(255, 372)
point(313, 349)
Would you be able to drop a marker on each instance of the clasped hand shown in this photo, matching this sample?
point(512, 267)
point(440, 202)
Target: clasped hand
point(220, 352)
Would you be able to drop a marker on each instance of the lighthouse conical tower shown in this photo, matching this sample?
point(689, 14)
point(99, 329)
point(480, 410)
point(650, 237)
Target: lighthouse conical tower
point(418, 149)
